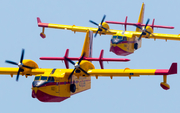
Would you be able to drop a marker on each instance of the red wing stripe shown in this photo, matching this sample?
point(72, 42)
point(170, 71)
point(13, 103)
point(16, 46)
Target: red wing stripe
point(161, 72)
point(172, 70)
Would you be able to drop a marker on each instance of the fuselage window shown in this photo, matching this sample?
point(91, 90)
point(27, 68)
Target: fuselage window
point(43, 78)
point(37, 78)
point(125, 38)
point(51, 79)
point(120, 37)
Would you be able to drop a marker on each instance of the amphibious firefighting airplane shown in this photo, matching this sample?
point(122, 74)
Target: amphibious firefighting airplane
point(123, 42)
point(56, 85)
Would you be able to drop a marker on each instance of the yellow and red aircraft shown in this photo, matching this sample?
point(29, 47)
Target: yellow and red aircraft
point(56, 85)
point(123, 42)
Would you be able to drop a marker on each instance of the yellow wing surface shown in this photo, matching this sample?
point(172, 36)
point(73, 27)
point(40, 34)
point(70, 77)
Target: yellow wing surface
point(105, 32)
point(95, 72)
point(13, 71)
point(132, 72)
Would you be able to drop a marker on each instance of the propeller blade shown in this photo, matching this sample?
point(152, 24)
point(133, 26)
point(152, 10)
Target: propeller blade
point(28, 67)
point(81, 58)
point(70, 60)
point(76, 66)
point(100, 27)
point(83, 71)
point(147, 23)
point(20, 65)
point(93, 22)
point(71, 73)
point(140, 36)
point(138, 27)
point(17, 78)
point(148, 32)
point(103, 19)
point(96, 33)
point(11, 62)
point(104, 28)
point(22, 56)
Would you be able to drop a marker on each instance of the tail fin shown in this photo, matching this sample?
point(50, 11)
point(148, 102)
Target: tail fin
point(141, 16)
point(87, 47)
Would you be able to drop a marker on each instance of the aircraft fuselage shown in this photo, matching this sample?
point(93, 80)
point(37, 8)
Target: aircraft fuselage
point(124, 45)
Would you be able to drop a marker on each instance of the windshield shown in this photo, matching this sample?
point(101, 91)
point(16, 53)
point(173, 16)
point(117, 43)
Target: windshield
point(43, 78)
point(114, 37)
point(37, 78)
point(50, 79)
point(120, 37)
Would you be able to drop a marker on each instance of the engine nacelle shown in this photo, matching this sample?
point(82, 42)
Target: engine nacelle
point(85, 65)
point(149, 29)
point(105, 25)
point(29, 63)
point(165, 86)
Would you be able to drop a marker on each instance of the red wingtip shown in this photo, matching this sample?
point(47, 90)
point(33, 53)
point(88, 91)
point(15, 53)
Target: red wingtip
point(173, 69)
point(38, 20)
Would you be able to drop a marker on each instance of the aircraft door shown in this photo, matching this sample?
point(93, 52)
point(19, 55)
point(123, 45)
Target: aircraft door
point(58, 86)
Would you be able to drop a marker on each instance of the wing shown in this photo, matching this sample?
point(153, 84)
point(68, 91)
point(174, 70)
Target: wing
point(13, 71)
point(30, 72)
point(108, 32)
point(73, 28)
point(132, 72)
point(159, 36)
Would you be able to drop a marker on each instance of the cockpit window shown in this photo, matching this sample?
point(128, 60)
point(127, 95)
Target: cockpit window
point(51, 79)
point(43, 78)
point(37, 78)
point(114, 37)
point(120, 37)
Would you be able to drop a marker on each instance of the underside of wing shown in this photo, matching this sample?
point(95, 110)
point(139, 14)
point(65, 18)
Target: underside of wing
point(13, 71)
point(132, 72)
point(165, 36)
point(105, 31)
point(159, 36)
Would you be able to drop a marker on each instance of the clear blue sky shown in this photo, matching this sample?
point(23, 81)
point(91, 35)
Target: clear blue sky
point(139, 95)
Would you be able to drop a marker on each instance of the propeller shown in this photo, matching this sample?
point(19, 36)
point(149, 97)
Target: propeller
point(100, 27)
point(20, 65)
point(76, 65)
point(143, 29)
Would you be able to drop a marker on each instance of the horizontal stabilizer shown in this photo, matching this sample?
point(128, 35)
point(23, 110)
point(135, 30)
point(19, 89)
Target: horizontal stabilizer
point(85, 58)
point(138, 24)
point(100, 59)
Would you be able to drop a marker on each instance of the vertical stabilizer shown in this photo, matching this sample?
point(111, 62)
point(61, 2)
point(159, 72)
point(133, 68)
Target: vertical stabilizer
point(87, 47)
point(141, 16)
